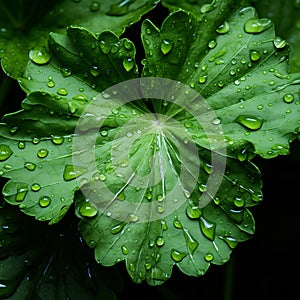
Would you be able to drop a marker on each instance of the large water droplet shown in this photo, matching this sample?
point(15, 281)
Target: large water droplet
point(57, 140)
point(71, 172)
point(5, 152)
point(21, 193)
point(207, 228)
point(40, 55)
point(191, 242)
point(88, 209)
point(160, 241)
point(177, 255)
point(42, 153)
point(44, 201)
point(166, 46)
point(288, 98)
point(230, 241)
point(224, 28)
point(279, 43)
point(30, 166)
point(128, 63)
point(193, 212)
point(117, 228)
point(250, 122)
point(254, 55)
point(257, 25)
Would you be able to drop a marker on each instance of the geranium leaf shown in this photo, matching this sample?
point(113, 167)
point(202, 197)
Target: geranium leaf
point(44, 265)
point(25, 25)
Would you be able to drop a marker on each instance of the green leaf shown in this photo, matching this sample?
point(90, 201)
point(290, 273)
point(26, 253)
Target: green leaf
point(39, 262)
point(25, 25)
point(240, 70)
point(285, 15)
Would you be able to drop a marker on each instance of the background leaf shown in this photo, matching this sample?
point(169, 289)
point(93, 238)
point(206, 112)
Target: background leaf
point(25, 25)
point(44, 265)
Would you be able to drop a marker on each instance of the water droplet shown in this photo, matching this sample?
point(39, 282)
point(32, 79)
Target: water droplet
point(57, 140)
point(72, 107)
point(30, 166)
point(94, 6)
point(95, 71)
point(208, 168)
point(160, 241)
point(5, 152)
point(71, 172)
point(224, 28)
point(65, 71)
point(288, 98)
point(203, 79)
point(230, 241)
point(160, 209)
point(177, 224)
point(88, 209)
point(125, 251)
point(128, 63)
point(177, 255)
point(208, 257)
point(102, 177)
point(242, 154)
point(62, 92)
point(35, 187)
point(80, 97)
point(120, 9)
point(257, 25)
point(50, 83)
point(193, 212)
point(105, 48)
point(207, 228)
point(279, 43)
point(42, 153)
point(21, 145)
point(44, 201)
point(117, 228)
point(191, 242)
point(207, 7)
point(166, 46)
point(164, 225)
point(40, 56)
point(212, 44)
point(21, 193)
point(250, 122)
point(254, 55)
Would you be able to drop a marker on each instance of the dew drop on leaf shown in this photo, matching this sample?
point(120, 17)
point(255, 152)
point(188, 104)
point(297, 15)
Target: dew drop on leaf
point(125, 251)
point(35, 187)
point(88, 209)
point(65, 71)
point(178, 256)
point(177, 224)
point(30, 166)
point(51, 84)
point(120, 9)
point(21, 145)
point(279, 43)
point(288, 98)
point(230, 241)
point(207, 228)
point(40, 56)
point(208, 257)
point(166, 46)
point(57, 140)
point(193, 212)
point(212, 44)
point(250, 122)
point(42, 153)
point(207, 7)
point(5, 152)
point(105, 48)
point(95, 71)
point(94, 6)
point(224, 28)
point(71, 172)
point(44, 201)
point(254, 55)
point(21, 193)
point(117, 228)
point(203, 79)
point(128, 63)
point(257, 25)
point(160, 241)
point(62, 92)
